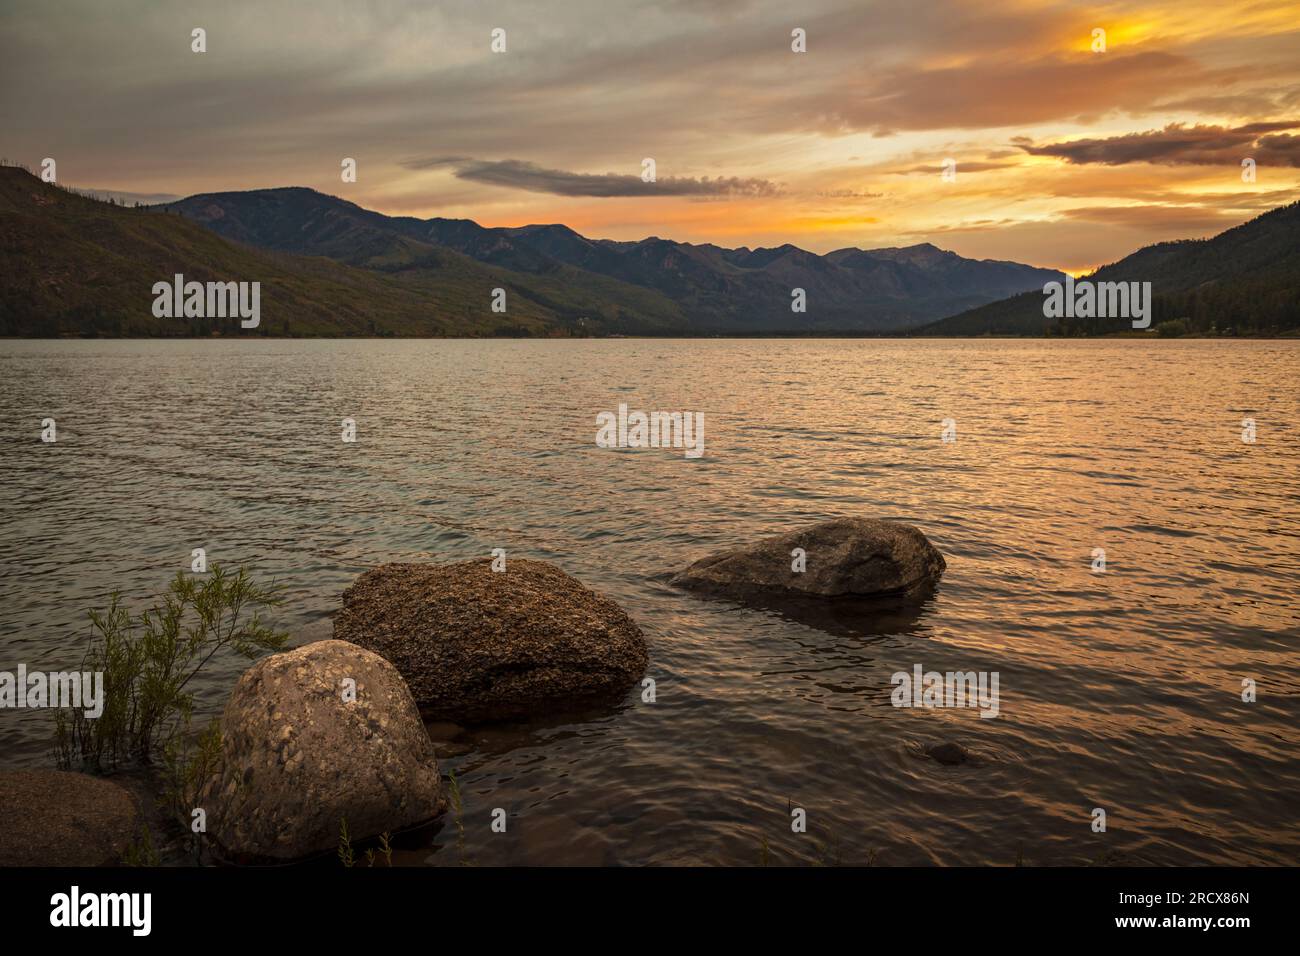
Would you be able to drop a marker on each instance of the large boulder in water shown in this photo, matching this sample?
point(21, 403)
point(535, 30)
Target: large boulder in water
point(476, 644)
point(56, 818)
point(846, 557)
point(314, 737)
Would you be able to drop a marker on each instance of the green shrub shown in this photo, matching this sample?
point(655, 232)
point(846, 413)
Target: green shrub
point(189, 761)
point(345, 845)
point(458, 806)
point(149, 662)
point(141, 852)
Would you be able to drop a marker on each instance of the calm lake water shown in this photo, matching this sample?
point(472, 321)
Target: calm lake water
point(1119, 690)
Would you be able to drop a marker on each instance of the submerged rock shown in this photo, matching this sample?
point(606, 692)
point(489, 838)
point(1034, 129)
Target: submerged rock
point(311, 738)
point(56, 818)
point(475, 644)
point(949, 753)
point(845, 557)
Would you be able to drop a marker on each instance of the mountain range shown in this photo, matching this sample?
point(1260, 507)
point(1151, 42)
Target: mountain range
point(1245, 280)
point(706, 288)
point(74, 265)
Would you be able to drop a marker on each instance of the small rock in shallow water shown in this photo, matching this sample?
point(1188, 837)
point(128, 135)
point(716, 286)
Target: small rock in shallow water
point(845, 557)
point(949, 754)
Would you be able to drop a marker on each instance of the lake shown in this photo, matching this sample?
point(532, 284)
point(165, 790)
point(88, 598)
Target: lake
point(1119, 690)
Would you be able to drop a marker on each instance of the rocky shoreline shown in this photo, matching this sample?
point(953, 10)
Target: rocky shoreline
point(331, 738)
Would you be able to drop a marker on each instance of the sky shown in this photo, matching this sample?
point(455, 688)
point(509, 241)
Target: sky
point(1062, 155)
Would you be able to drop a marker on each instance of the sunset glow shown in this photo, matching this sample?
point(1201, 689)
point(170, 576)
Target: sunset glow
point(1065, 156)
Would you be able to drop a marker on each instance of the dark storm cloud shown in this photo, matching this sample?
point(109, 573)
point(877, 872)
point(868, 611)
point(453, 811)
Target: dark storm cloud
point(516, 174)
point(1182, 145)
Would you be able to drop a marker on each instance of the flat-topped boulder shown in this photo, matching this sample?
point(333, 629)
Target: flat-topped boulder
point(842, 558)
point(475, 644)
point(311, 738)
point(56, 818)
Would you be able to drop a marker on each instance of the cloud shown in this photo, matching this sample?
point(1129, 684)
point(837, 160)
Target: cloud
point(801, 141)
point(848, 194)
point(963, 167)
point(1174, 220)
point(997, 93)
point(1181, 145)
point(1080, 240)
point(517, 174)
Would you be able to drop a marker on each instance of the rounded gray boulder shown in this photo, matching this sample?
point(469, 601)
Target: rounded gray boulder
point(476, 644)
point(314, 737)
point(845, 557)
